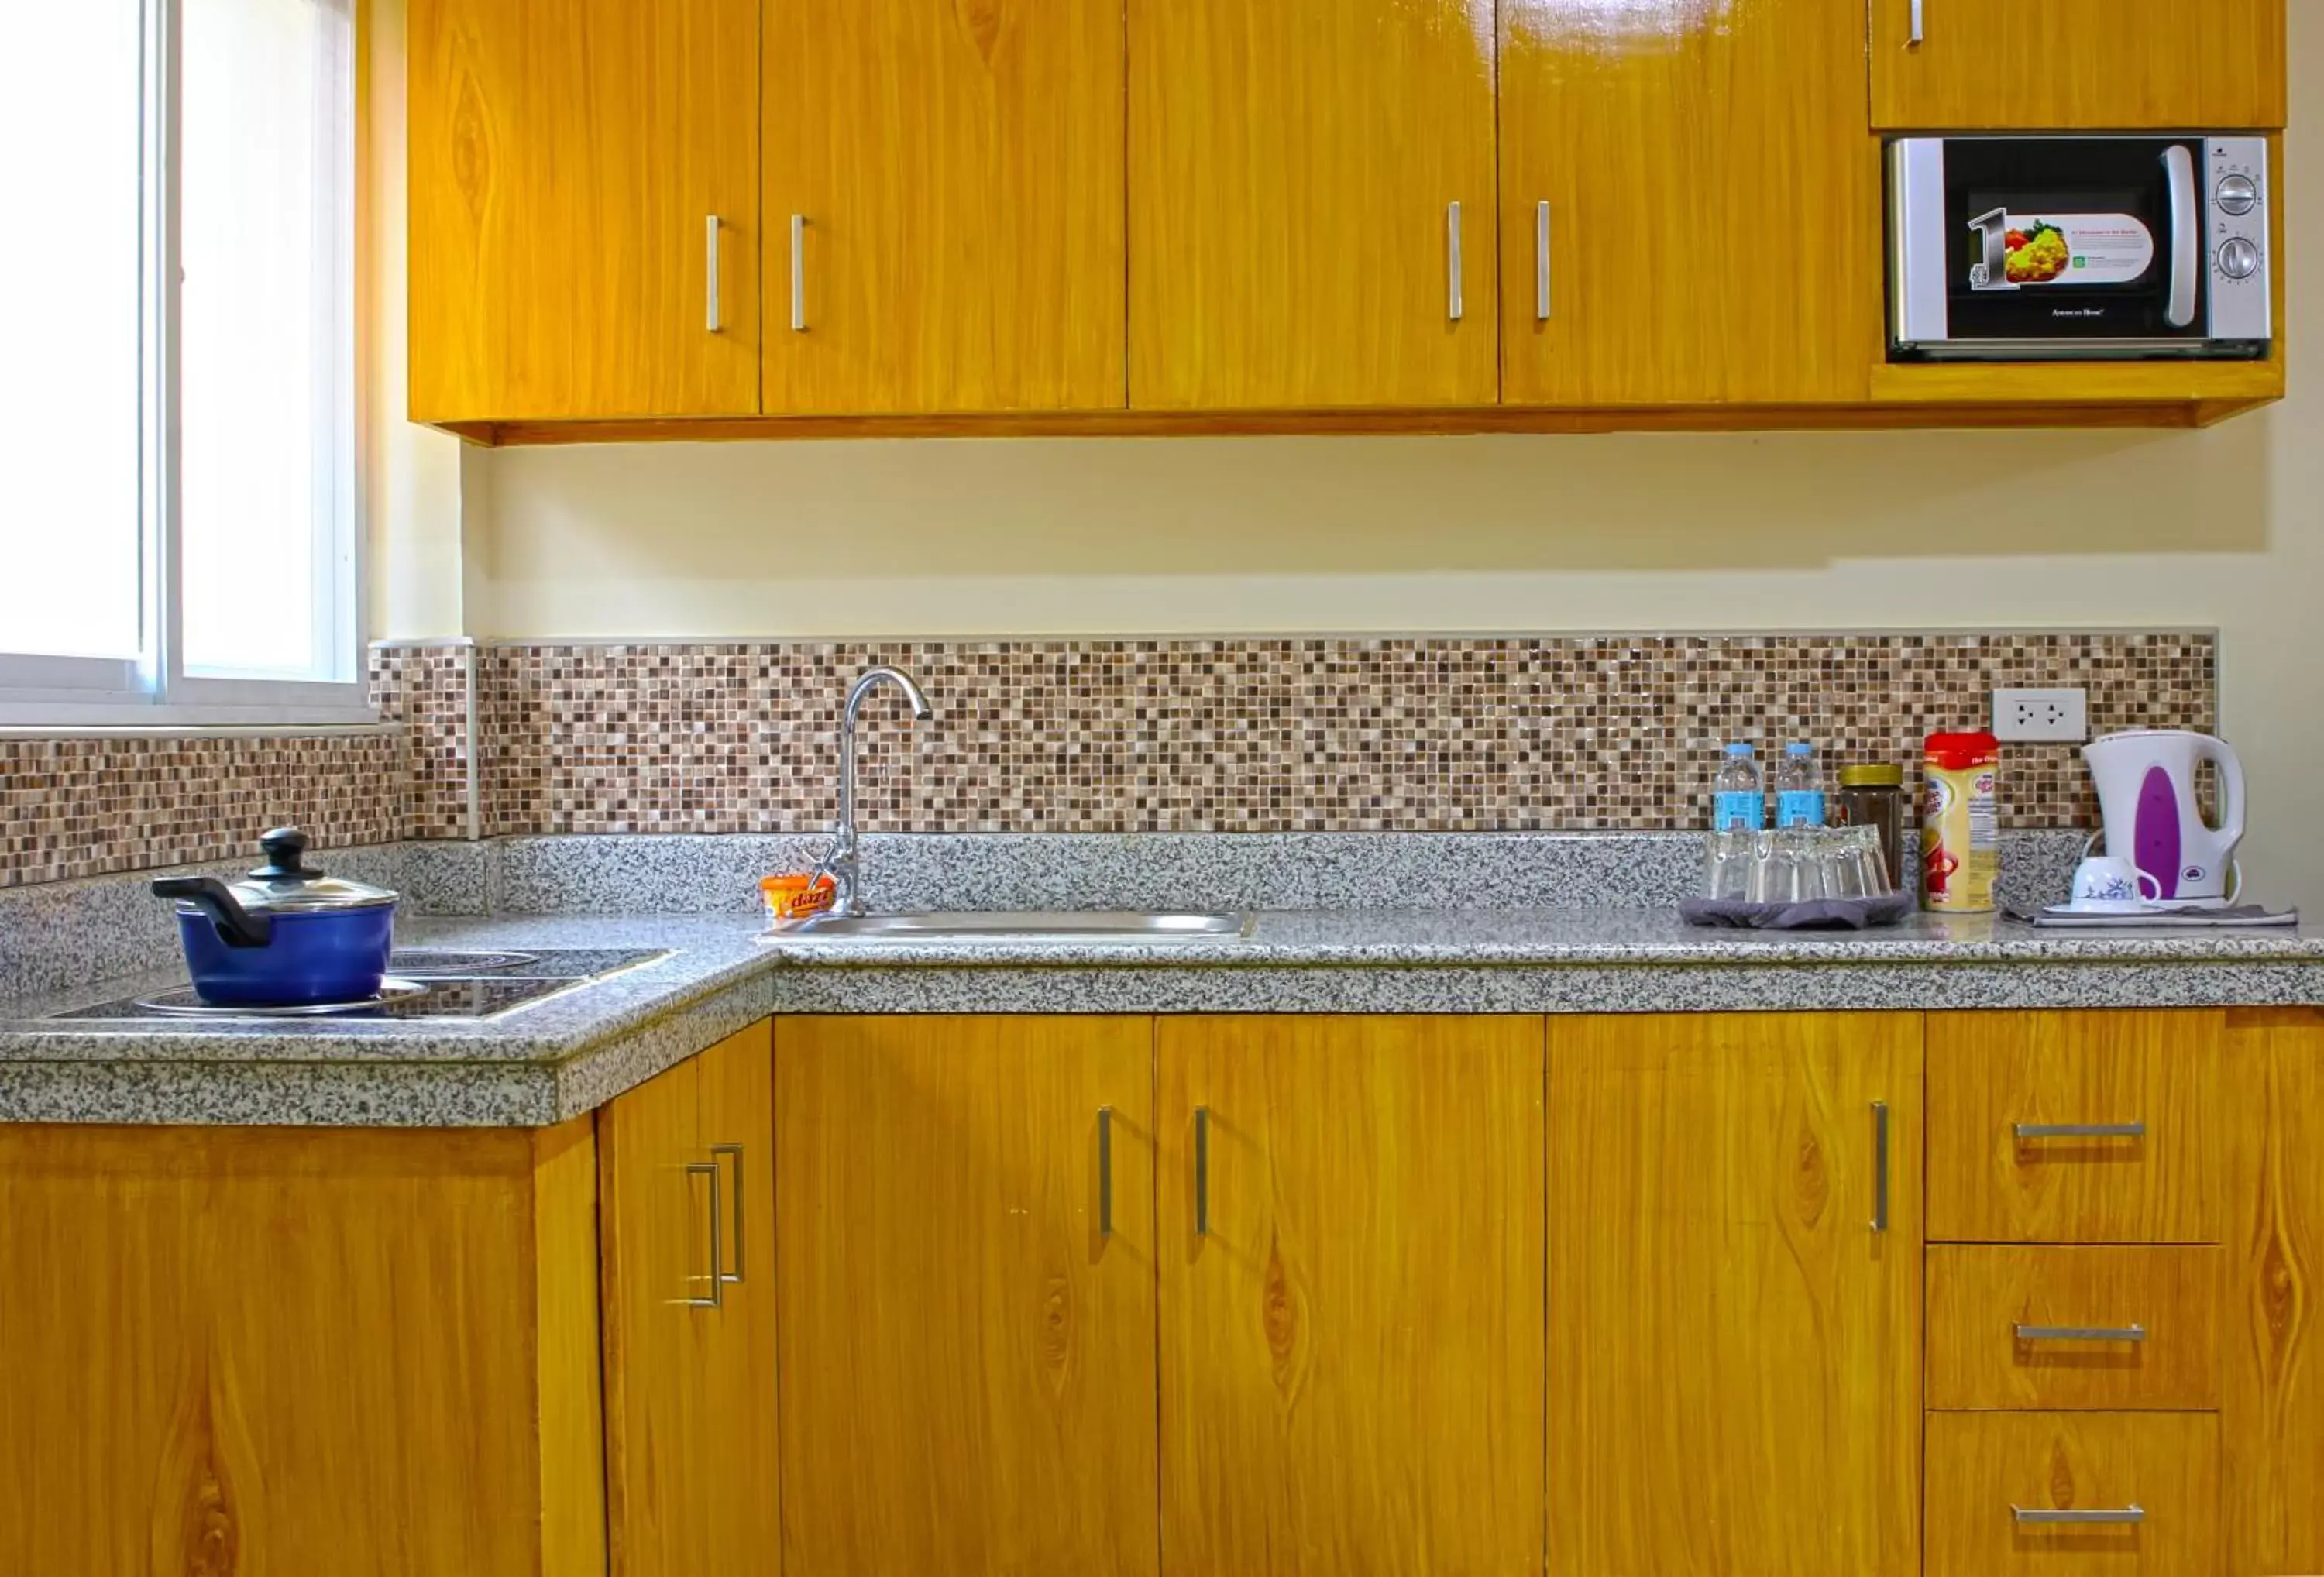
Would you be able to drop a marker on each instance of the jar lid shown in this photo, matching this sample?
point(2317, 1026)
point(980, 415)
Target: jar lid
point(1958, 753)
point(1872, 777)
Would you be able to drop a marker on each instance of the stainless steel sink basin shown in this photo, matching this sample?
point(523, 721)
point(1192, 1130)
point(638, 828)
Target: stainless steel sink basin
point(1029, 925)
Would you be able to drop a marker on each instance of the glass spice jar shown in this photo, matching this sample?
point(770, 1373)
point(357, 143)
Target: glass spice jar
point(1874, 797)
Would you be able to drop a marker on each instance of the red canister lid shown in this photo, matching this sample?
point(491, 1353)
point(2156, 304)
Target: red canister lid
point(1958, 753)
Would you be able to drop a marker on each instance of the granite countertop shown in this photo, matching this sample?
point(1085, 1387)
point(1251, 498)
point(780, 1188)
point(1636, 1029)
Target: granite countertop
point(570, 1053)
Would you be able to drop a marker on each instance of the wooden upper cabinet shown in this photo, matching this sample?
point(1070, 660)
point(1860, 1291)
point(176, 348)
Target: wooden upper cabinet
point(2107, 65)
point(1352, 1262)
point(566, 158)
point(1291, 173)
point(1690, 205)
point(953, 170)
point(1734, 1324)
point(966, 1338)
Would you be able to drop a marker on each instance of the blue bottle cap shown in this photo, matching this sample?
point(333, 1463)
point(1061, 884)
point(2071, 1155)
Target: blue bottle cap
point(1802, 748)
point(1738, 750)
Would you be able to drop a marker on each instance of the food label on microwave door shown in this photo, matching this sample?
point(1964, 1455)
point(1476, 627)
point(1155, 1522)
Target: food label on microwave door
point(2060, 249)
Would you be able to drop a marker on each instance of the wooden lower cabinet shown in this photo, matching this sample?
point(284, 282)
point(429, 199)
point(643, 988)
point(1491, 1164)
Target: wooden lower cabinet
point(1350, 1246)
point(686, 1168)
point(240, 1351)
point(967, 1266)
point(1734, 1322)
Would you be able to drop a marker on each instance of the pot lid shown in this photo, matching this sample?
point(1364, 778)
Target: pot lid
point(287, 884)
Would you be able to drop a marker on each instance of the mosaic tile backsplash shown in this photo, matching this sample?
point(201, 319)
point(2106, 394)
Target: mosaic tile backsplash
point(1269, 735)
point(1578, 733)
point(74, 807)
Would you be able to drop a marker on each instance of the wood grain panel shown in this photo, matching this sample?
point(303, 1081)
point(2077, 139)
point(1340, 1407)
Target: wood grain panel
point(1290, 167)
point(959, 165)
point(1983, 1464)
point(655, 1254)
point(736, 1417)
point(564, 158)
point(967, 1364)
point(1351, 1355)
point(2030, 384)
point(2105, 65)
point(570, 1355)
point(1734, 1379)
point(1979, 1294)
point(1711, 197)
point(273, 1351)
point(1989, 1071)
point(2273, 1412)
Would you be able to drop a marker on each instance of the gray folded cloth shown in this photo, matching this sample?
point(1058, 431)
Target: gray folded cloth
point(1824, 914)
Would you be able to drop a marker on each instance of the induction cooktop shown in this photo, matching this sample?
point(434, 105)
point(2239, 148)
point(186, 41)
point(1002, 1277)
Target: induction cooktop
point(423, 982)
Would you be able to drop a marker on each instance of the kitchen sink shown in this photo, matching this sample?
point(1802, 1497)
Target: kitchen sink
point(1028, 926)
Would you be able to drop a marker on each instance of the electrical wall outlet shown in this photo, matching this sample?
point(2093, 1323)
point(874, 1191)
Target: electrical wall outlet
point(2041, 716)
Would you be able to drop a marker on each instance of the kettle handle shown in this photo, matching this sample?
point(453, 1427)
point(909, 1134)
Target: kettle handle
point(236, 925)
point(2231, 786)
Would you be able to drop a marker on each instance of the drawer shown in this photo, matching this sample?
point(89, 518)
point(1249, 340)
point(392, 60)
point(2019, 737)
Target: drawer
point(2073, 1128)
point(2073, 1328)
point(2072, 1495)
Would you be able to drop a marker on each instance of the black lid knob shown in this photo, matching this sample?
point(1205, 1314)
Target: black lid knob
point(286, 851)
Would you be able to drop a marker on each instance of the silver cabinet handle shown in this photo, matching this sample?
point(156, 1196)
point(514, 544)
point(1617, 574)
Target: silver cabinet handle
point(2036, 1513)
point(2025, 1130)
point(1880, 1166)
point(1202, 1171)
point(1541, 262)
point(734, 1152)
point(1452, 253)
point(711, 320)
point(1920, 31)
point(799, 273)
point(2080, 1333)
point(2186, 236)
point(718, 1298)
point(1105, 1171)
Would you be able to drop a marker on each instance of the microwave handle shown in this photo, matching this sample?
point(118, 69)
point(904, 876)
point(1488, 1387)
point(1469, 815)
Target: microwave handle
point(2186, 235)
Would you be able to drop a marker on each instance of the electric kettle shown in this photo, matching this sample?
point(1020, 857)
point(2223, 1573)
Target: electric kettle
point(2145, 780)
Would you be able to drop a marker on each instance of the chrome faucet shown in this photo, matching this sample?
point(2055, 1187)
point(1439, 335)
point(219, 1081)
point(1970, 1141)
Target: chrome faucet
point(843, 861)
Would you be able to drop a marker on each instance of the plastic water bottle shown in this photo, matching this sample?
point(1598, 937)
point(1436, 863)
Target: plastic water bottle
point(1739, 794)
point(1799, 788)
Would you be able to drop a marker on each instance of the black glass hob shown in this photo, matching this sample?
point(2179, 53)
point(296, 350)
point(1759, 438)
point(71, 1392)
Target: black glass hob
point(423, 982)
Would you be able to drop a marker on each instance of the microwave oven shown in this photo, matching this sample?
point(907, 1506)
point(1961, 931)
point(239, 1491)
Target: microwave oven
point(2034, 248)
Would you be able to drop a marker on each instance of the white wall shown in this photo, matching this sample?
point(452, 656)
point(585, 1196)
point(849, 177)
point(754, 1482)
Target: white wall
point(1634, 532)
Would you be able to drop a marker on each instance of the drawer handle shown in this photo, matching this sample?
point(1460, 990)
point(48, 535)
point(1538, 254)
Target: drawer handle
point(2025, 1130)
point(2119, 1513)
point(1880, 1166)
point(2080, 1333)
point(1105, 1171)
point(717, 1276)
point(1202, 1171)
point(735, 1153)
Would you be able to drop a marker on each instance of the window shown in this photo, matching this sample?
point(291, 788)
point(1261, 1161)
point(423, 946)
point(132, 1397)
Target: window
point(179, 535)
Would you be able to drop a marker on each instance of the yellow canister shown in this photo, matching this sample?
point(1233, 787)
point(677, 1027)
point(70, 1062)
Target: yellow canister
point(1961, 823)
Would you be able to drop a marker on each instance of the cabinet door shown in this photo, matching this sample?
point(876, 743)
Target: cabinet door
point(1690, 212)
point(1735, 1345)
point(955, 168)
point(1292, 169)
point(566, 158)
point(967, 1350)
point(2108, 65)
point(735, 1422)
point(1351, 1295)
point(689, 1403)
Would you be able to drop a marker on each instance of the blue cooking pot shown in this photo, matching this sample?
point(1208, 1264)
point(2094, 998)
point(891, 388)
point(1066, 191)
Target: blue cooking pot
point(284, 936)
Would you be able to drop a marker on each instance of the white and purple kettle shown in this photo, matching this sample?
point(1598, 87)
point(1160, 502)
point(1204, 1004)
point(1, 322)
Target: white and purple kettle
point(2146, 796)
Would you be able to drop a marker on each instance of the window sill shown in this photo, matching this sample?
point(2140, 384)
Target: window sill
point(32, 721)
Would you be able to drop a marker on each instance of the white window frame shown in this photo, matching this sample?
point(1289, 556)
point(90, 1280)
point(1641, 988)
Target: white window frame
point(154, 689)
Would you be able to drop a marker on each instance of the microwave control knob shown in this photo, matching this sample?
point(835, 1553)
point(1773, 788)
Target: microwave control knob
point(2238, 258)
point(2238, 195)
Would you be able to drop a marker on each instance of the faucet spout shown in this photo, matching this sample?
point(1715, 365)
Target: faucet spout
point(843, 862)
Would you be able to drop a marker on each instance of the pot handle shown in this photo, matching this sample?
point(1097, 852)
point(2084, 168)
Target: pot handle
point(236, 925)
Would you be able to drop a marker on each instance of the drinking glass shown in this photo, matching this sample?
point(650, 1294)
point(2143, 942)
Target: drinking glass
point(1727, 865)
